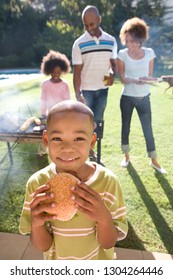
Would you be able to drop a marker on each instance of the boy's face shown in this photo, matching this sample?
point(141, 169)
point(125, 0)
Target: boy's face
point(69, 138)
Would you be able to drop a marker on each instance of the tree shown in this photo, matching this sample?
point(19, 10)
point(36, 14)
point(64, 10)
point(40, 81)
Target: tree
point(29, 28)
point(21, 27)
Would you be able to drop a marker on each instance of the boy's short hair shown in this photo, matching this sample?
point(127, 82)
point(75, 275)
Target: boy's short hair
point(70, 106)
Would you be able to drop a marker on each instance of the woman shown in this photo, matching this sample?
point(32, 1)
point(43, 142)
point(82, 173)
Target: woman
point(135, 63)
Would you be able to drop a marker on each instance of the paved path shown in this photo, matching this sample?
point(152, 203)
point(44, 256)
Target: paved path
point(18, 247)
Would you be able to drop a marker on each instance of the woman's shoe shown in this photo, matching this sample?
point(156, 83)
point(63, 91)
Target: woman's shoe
point(125, 163)
point(159, 169)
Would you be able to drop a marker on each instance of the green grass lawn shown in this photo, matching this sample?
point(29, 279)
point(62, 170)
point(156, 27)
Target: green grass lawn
point(148, 194)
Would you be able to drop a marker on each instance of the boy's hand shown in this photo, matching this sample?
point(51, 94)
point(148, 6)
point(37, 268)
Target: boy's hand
point(90, 203)
point(38, 209)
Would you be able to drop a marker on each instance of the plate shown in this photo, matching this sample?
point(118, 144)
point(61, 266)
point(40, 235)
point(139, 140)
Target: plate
point(149, 80)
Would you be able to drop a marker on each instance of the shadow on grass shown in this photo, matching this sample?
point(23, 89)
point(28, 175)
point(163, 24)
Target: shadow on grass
point(131, 241)
point(166, 187)
point(161, 225)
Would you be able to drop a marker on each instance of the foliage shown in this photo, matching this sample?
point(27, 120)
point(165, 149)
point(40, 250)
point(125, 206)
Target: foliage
point(29, 28)
point(20, 31)
point(161, 39)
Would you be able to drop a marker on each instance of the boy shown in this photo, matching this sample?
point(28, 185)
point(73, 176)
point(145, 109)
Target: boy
point(101, 216)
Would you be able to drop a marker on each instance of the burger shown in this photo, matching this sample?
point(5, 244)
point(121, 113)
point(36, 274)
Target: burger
point(60, 185)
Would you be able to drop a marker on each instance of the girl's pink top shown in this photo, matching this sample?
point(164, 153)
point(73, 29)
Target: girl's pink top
point(53, 93)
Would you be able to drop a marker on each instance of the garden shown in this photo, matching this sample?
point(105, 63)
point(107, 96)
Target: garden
point(148, 194)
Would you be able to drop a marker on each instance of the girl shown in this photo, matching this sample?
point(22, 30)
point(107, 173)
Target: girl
point(53, 89)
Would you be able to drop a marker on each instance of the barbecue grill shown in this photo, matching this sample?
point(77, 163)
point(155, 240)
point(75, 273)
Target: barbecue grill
point(31, 135)
point(14, 137)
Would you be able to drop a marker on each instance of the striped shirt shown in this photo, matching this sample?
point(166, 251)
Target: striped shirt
point(94, 54)
point(76, 239)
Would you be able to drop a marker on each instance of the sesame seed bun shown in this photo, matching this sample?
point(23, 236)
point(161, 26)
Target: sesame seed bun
point(60, 185)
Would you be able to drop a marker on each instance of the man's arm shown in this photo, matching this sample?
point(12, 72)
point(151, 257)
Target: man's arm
point(113, 70)
point(77, 82)
point(113, 66)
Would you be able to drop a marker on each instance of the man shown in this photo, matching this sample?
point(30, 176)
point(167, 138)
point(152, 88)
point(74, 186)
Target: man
point(93, 56)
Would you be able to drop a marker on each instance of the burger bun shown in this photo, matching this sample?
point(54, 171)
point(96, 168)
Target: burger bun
point(60, 185)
